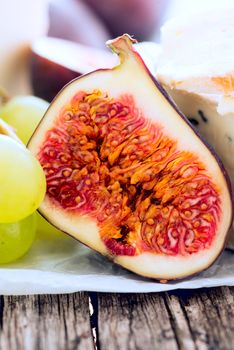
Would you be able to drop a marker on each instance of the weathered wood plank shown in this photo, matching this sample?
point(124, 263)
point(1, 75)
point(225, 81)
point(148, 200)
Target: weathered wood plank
point(130, 322)
point(46, 322)
point(209, 315)
point(186, 320)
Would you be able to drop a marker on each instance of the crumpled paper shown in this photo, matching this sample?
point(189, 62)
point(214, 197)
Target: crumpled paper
point(65, 266)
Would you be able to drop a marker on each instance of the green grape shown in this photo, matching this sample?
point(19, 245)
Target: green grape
point(47, 231)
point(24, 113)
point(22, 181)
point(16, 238)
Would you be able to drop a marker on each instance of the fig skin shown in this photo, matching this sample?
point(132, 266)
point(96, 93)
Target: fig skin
point(84, 228)
point(74, 20)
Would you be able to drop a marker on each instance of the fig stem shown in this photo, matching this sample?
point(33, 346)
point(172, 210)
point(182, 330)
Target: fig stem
point(121, 46)
point(5, 97)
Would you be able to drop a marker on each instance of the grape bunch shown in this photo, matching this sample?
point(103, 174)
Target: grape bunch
point(22, 179)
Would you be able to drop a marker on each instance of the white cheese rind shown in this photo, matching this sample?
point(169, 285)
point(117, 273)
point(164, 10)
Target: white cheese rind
point(198, 49)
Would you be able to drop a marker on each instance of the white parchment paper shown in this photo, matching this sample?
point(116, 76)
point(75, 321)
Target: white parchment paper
point(65, 266)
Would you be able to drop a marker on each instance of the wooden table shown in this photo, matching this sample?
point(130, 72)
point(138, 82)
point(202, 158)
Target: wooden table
point(197, 320)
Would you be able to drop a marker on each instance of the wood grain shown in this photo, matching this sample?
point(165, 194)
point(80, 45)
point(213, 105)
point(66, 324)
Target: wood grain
point(209, 316)
point(45, 322)
point(134, 322)
point(186, 320)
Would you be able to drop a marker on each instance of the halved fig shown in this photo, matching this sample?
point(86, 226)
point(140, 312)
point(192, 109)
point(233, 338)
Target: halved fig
point(128, 176)
point(55, 62)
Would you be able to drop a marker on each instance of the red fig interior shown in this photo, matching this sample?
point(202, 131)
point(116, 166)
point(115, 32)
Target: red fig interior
point(128, 176)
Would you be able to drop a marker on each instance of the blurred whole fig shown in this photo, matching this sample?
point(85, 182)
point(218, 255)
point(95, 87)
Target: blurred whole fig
point(135, 17)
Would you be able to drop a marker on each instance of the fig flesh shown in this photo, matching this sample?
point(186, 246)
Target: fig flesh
point(128, 176)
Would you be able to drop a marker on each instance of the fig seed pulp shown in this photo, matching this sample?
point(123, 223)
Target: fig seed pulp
point(104, 158)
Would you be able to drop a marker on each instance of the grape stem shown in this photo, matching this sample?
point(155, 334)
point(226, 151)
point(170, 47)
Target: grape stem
point(5, 97)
